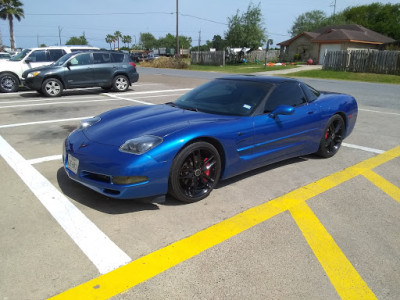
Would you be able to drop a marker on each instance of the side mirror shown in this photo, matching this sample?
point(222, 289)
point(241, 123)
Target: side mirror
point(68, 65)
point(282, 110)
point(28, 60)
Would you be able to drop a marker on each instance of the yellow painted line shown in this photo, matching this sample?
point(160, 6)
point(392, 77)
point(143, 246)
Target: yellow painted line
point(385, 185)
point(343, 276)
point(146, 267)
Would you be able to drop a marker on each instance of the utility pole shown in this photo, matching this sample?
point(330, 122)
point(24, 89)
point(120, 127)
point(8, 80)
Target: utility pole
point(59, 33)
point(334, 8)
point(177, 31)
point(198, 49)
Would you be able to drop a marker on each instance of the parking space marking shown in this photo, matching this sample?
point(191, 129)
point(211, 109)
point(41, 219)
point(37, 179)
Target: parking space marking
point(379, 112)
point(385, 185)
point(54, 103)
point(104, 254)
point(148, 266)
point(363, 148)
point(128, 99)
point(43, 122)
point(346, 280)
point(44, 159)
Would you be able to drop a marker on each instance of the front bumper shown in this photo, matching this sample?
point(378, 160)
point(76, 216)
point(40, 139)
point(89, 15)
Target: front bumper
point(99, 164)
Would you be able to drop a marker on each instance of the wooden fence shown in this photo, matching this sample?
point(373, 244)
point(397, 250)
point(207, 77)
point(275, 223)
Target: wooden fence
point(216, 58)
point(259, 56)
point(363, 61)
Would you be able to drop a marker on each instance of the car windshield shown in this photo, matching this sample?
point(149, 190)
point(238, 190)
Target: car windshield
point(225, 97)
point(63, 59)
point(21, 55)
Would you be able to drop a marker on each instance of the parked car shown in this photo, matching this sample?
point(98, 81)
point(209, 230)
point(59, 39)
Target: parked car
point(5, 55)
point(11, 70)
point(106, 69)
point(221, 129)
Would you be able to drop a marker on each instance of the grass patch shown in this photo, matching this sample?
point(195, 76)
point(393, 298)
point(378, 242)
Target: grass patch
point(239, 68)
point(366, 77)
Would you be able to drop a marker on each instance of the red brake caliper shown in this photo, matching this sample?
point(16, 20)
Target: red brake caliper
point(208, 171)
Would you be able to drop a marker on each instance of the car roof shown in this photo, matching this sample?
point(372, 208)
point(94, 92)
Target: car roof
point(255, 78)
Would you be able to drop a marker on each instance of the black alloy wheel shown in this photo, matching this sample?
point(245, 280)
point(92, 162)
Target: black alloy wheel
point(8, 83)
point(195, 172)
point(332, 137)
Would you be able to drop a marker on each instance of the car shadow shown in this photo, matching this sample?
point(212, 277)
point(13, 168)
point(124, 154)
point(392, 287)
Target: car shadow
point(94, 200)
point(72, 92)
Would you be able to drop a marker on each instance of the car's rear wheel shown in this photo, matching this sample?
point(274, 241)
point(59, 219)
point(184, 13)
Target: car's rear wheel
point(195, 172)
point(52, 87)
point(8, 83)
point(332, 137)
point(120, 83)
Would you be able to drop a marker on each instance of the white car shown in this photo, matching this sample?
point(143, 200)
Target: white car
point(12, 69)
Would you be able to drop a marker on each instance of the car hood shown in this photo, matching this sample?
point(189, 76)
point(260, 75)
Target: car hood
point(120, 125)
point(46, 69)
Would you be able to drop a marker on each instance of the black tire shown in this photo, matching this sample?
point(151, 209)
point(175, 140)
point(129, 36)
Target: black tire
point(120, 83)
point(195, 172)
point(332, 137)
point(9, 83)
point(52, 87)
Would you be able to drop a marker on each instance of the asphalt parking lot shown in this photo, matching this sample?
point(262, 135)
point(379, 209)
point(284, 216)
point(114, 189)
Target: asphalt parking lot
point(305, 228)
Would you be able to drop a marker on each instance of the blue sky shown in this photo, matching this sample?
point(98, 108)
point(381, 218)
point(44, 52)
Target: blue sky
point(97, 18)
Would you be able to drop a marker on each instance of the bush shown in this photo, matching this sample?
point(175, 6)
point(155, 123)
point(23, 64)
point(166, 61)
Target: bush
point(166, 62)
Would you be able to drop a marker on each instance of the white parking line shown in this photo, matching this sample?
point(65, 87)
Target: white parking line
point(132, 100)
point(53, 103)
point(363, 148)
point(44, 159)
point(42, 122)
point(379, 112)
point(104, 254)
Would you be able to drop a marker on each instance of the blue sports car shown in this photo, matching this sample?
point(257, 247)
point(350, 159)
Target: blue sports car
point(223, 128)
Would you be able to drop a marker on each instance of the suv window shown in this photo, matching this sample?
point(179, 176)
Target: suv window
point(39, 56)
point(101, 58)
point(81, 59)
point(117, 57)
point(288, 93)
point(55, 54)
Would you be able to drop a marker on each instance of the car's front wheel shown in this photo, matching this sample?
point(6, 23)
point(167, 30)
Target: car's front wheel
point(332, 137)
point(8, 83)
point(52, 87)
point(195, 172)
point(120, 83)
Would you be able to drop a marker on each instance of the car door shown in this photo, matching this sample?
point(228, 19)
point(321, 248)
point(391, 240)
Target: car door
point(103, 68)
point(79, 71)
point(283, 136)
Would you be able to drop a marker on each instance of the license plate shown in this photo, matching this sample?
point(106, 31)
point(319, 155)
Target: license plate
point(73, 164)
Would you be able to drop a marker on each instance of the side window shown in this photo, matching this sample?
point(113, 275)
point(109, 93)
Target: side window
point(39, 56)
point(310, 92)
point(55, 54)
point(81, 60)
point(288, 93)
point(101, 58)
point(117, 57)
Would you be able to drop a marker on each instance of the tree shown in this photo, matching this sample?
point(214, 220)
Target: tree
point(246, 30)
point(218, 43)
point(126, 39)
point(148, 41)
point(77, 40)
point(110, 39)
point(308, 21)
point(118, 35)
point(382, 18)
point(10, 9)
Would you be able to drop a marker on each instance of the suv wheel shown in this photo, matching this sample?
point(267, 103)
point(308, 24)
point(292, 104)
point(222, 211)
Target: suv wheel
point(120, 83)
point(8, 83)
point(52, 87)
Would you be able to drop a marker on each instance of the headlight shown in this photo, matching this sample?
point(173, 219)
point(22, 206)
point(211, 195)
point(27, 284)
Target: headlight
point(33, 74)
point(141, 145)
point(89, 122)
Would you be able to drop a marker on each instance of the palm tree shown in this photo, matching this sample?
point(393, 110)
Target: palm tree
point(127, 39)
point(10, 9)
point(109, 39)
point(118, 35)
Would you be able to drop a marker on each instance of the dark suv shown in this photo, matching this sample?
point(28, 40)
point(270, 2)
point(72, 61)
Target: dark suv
point(106, 69)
